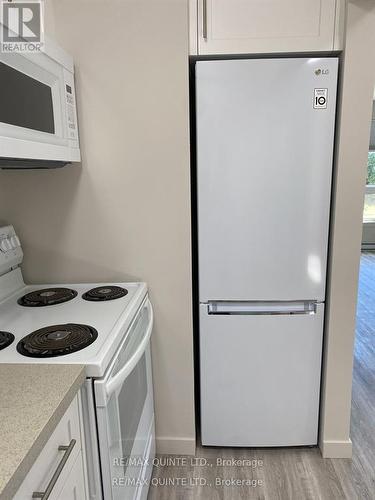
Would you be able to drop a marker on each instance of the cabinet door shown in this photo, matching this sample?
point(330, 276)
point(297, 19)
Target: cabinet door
point(74, 487)
point(46, 464)
point(261, 26)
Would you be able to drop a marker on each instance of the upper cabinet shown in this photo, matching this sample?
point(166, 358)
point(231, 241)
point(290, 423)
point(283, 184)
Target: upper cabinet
point(265, 26)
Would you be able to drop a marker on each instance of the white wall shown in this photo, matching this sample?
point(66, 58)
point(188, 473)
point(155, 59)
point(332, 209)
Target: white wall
point(358, 80)
point(124, 214)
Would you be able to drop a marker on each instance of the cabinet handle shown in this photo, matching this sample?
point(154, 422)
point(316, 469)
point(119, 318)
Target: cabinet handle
point(204, 19)
point(68, 450)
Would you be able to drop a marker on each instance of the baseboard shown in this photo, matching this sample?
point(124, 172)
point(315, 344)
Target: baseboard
point(175, 446)
point(336, 449)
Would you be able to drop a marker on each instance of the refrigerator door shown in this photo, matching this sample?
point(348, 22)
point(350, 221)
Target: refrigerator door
point(260, 377)
point(265, 133)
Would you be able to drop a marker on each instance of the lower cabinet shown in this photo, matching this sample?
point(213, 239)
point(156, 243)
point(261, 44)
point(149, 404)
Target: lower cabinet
point(59, 471)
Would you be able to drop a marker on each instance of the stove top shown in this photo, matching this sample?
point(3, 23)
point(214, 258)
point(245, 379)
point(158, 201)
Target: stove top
point(101, 293)
point(50, 334)
point(57, 340)
point(47, 297)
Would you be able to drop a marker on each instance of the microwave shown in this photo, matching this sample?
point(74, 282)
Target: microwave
point(38, 114)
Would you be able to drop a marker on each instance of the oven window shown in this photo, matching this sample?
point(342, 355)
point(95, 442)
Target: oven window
point(24, 101)
point(131, 401)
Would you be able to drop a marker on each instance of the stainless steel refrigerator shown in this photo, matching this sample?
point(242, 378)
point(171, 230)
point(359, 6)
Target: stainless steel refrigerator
point(264, 141)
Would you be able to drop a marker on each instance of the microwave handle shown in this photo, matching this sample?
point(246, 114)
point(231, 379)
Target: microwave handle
point(119, 378)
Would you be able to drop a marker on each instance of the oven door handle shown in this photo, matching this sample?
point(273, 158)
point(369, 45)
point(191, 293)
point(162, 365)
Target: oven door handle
point(119, 378)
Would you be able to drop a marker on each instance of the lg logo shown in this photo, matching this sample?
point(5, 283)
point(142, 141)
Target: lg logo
point(321, 72)
point(21, 26)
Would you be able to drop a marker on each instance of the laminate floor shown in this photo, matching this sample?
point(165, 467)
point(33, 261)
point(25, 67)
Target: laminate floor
point(291, 473)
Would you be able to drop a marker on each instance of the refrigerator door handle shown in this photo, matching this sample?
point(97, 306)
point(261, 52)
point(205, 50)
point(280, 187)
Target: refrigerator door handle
point(258, 307)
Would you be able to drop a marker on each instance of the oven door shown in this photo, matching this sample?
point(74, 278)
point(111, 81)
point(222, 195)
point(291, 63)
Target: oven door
point(125, 411)
point(38, 116)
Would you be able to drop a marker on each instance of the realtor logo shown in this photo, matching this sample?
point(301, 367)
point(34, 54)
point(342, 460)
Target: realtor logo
point(21, 26)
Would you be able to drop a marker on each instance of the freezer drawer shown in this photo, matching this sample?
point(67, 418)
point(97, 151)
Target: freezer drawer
point(260, 378)
point(264, 168)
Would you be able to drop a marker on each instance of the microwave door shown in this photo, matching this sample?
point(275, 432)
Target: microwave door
point(30, 103)
point(33, 108)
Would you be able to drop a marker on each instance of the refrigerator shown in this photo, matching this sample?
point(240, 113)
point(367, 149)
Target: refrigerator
point(264, 154)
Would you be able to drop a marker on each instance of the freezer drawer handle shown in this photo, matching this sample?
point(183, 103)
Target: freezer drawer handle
point(301, 307)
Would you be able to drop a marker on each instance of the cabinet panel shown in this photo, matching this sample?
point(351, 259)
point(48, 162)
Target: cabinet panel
point(74, 487)
point(47, 462)
point(261, 26)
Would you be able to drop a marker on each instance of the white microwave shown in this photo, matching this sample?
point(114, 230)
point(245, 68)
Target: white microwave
point(38, 115)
